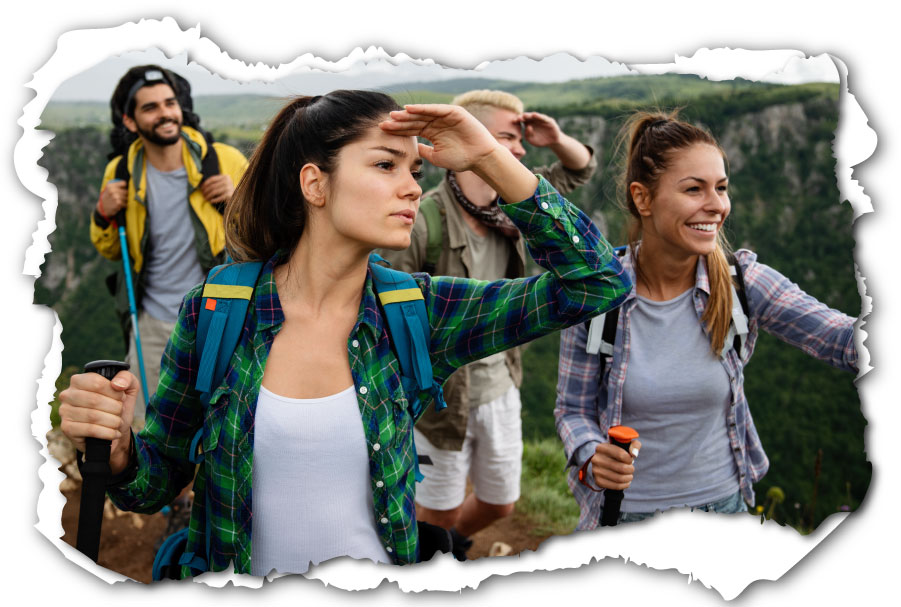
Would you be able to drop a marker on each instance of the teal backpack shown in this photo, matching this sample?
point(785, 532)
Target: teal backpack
point(223, 308)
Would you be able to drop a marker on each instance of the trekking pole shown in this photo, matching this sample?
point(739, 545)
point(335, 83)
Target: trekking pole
point(94, 473)
point(132, 306)
point(621, 436)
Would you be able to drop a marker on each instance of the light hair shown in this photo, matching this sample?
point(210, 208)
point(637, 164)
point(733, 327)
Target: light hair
point(481, 101)
point(652, 140)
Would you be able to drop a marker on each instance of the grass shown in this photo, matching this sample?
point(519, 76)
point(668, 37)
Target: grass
point(546, 498)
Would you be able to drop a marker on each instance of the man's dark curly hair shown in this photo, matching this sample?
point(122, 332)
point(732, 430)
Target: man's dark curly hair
point(121, 105)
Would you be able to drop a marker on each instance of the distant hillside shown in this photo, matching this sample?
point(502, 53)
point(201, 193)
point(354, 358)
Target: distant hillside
point(233, 113)
point(638, 88)
point(252, 111)
point(786, 206)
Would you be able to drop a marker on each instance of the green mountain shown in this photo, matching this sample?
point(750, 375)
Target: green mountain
point(786, 207)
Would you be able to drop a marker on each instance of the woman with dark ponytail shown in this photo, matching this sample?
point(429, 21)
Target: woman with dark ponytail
point(676, 370)
point(307, 445)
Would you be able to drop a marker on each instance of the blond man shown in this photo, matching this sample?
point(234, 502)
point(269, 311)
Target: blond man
point(479, 436)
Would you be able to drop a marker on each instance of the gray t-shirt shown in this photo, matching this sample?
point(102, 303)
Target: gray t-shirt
point(489, 377)
point(676, 396)
point(171, 267)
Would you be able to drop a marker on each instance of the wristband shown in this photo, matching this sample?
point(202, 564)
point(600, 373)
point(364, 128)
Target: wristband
point(583, 476)
point(100, 211)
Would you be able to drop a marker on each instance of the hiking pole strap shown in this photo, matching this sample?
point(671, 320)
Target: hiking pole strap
point(622, 437)
point(95, 473)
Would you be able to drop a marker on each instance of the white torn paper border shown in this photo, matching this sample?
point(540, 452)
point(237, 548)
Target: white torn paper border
point(563, 556)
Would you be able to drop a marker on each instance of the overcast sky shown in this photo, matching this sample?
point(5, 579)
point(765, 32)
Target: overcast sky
point(373, 68)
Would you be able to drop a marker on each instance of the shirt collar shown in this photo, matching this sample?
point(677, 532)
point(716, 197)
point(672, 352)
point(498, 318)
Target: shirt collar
point(702, 280)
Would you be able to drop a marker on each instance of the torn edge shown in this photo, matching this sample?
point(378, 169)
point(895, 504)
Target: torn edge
point(167, 36)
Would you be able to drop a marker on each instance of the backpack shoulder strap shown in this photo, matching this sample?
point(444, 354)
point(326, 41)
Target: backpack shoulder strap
point(209, 166)
point(223, 307)
point(408, 324)
point(435, 227)
point(403, 307)
point(602, 332)
point(602, 328)
point(739, 328)
point(122, 169)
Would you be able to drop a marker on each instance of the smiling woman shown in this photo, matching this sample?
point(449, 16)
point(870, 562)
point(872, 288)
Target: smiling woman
point(682, 338)
point(307, 444)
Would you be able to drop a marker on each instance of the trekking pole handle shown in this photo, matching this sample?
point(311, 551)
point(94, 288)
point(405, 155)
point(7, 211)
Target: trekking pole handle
point(622, 437)
point(95, 472)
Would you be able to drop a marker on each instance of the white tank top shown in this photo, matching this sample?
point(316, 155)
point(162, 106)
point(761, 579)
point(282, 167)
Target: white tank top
point(312, 499)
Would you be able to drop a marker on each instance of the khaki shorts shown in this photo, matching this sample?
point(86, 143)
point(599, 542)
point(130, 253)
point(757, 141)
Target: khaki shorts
point(154, 337)
point(491, 458)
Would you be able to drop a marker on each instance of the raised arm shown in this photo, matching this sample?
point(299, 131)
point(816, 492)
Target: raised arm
point(782, 309)
point(471, 319)
point(462, 143)
point(543, 131)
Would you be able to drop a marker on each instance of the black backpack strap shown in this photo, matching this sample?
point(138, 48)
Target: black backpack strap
point(740, 285)
point(601, 330)
point(209, 166)
point(740, 323)
point(122, 172)
point(608, 339)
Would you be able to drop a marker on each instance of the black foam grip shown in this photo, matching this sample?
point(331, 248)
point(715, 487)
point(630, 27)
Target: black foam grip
point(94, 472)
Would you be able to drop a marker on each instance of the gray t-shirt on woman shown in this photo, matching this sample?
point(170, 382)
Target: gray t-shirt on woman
point(676, 396)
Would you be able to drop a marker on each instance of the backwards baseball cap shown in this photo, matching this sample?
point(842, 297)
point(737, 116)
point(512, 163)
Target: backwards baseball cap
point(151, 76)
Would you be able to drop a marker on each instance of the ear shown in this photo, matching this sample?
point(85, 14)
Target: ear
point(313, 184)
point(130, 123)
point(641, 196)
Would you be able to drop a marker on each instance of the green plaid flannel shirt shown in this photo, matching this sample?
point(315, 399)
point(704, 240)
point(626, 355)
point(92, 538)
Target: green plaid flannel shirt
point(470, 319)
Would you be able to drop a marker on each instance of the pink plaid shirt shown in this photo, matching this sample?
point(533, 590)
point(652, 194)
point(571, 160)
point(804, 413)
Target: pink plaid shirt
point(586, 408)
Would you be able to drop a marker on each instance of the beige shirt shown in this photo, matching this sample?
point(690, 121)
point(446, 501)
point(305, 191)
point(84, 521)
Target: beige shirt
point(489, 377)
point(446, 429)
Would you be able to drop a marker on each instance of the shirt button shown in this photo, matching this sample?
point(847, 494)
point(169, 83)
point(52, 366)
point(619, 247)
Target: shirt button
point(355, 343)
point(576, 239)
point(384, 521)
point(545, 205)
point(379, 484)
point(363, 389)
point(376, 447)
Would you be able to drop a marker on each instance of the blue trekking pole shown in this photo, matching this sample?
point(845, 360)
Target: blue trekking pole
point(132, 306)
